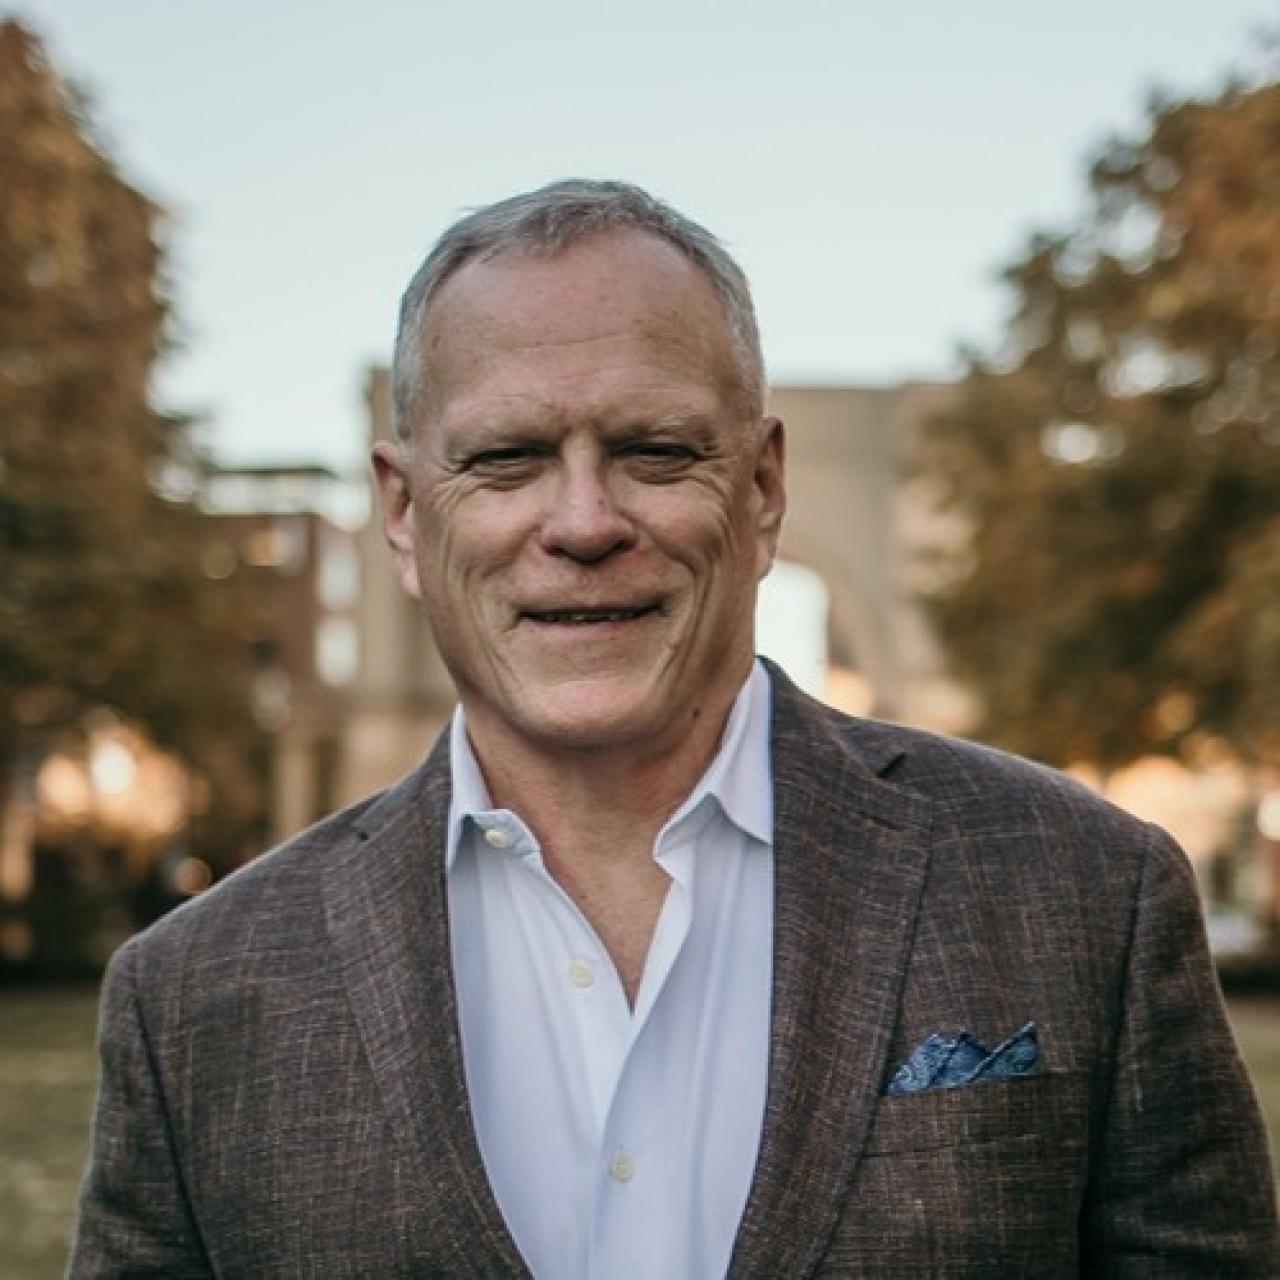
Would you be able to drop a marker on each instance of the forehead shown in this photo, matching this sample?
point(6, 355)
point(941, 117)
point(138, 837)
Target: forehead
point(605, 301)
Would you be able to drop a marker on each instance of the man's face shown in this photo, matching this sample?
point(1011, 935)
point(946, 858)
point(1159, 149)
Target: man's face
point(587, 508)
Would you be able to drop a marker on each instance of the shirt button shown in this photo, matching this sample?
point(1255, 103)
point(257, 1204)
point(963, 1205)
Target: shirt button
point(497, 838)
point(622, 1168)
point(582, 973)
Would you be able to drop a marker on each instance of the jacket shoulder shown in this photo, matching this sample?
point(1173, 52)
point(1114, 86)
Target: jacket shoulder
point(972, 790)
point(272, 904)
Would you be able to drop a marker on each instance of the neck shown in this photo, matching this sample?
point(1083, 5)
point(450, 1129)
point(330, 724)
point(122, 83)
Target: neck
point(596, 813)
point(613, 800)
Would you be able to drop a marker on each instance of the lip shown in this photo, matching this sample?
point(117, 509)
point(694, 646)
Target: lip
point(588, 615)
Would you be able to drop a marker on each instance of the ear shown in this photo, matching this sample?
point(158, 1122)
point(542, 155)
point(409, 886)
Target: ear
point(391, 464)
point(770, 492)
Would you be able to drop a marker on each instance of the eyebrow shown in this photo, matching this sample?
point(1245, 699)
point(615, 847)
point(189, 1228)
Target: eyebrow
point(697, 426)
point(476, 437)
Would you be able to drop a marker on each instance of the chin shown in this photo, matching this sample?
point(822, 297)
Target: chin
point(600, 716)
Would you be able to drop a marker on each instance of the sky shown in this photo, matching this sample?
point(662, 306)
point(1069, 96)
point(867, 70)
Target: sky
point(870, 165)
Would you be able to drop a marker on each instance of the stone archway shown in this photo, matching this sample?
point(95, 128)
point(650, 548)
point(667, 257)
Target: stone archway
point(815, 628)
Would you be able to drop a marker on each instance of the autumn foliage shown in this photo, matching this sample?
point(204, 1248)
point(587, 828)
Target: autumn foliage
point(102, 602)
point(1117, 464)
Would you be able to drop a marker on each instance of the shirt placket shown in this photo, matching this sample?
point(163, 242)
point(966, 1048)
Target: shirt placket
point(623, 1217)
point(610, 1033)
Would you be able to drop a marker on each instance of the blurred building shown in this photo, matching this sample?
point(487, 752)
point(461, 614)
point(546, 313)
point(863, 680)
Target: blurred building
point(99, 829)
point(292, 527)
point(857, 519)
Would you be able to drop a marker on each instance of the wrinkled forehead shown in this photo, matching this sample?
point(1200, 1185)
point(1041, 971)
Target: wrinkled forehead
point(583, 302)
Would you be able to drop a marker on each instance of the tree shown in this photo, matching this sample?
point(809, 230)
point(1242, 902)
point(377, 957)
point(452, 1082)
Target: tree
point(1118, 465)
point(102, 601)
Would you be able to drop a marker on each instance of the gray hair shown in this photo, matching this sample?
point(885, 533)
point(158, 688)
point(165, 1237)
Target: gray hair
point(546, 222)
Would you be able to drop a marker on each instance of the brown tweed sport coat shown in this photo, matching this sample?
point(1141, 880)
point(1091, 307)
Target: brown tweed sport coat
point(283, 1092)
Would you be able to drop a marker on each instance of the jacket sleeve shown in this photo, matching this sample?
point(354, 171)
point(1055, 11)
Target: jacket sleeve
point(1181, 1179)
point(134, 1218)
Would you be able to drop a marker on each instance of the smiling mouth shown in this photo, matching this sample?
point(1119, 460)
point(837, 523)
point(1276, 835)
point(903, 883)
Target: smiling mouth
point(587, 617)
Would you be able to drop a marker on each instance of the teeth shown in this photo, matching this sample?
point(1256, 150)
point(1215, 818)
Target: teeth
point(583, 617)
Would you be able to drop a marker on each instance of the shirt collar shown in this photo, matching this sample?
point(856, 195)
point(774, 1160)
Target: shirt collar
point(739, 778)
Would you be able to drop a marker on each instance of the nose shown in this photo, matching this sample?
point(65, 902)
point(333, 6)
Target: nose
point(583, 520)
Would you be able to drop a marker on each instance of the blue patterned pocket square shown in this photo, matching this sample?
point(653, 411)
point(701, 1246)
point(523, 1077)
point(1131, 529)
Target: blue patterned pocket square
point(947, 1062)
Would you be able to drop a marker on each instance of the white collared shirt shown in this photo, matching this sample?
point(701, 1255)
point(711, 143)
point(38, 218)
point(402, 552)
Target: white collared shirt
point(620, 1142)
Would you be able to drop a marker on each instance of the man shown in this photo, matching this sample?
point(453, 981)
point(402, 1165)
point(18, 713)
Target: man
point(656, 967)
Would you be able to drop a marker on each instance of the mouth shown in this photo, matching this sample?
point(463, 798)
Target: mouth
point(588, 617)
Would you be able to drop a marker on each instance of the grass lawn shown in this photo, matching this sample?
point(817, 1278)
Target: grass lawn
point(1257, 1026)
point(47, 1071)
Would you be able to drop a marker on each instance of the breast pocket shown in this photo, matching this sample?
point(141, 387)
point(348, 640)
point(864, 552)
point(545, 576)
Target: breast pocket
point(1051, 1106)
point(986, 1179)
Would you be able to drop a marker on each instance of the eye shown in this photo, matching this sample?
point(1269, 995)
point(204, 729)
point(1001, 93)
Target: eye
point(658, 450)
point(511, 462)
point(498, 457)
point(659, 457)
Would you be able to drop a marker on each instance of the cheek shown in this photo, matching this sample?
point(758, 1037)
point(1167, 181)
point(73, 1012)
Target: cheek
point(695, 524)
point(472, 535)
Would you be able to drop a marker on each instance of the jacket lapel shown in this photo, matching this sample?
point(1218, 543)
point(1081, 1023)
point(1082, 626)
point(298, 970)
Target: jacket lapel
point(388, 922)
point(851, 853)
